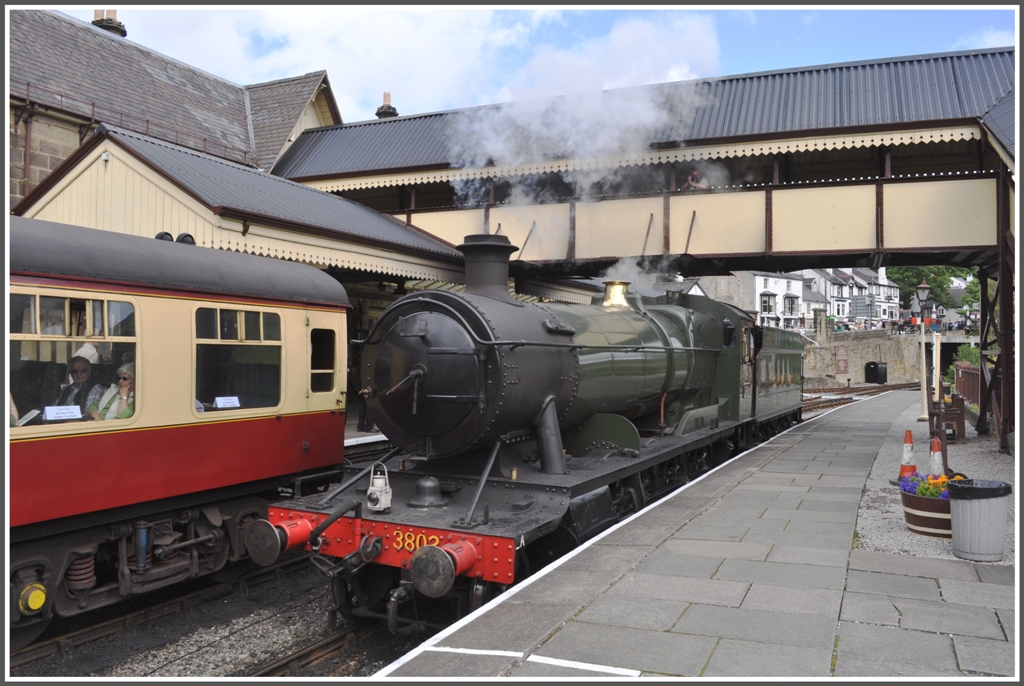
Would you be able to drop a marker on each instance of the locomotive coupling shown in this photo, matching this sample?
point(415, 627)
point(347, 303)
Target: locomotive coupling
point(265, 541)
point(434, 568)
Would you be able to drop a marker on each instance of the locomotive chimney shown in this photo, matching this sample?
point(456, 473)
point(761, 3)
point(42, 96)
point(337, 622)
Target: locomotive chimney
point(615, 293)
point(487, 264)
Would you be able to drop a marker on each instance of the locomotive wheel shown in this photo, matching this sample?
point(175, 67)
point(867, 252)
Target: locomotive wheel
point(24, 635)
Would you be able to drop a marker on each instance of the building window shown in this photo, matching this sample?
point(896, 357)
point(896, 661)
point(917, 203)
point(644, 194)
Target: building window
point(767, 304)
point(792, 306)
point(766, 282)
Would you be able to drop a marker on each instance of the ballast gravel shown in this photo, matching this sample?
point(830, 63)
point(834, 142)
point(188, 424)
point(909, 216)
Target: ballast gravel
point(880, 523)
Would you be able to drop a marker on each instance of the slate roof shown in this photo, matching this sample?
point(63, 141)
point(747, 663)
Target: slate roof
point(136, 88)
point(884, 93)
point(220, 185)
point(275, 106)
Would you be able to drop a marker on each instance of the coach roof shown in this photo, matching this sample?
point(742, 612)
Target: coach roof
point(43, 248)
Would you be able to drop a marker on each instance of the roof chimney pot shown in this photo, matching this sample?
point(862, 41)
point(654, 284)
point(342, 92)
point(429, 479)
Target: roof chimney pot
point(107, 20)
point(386, 110)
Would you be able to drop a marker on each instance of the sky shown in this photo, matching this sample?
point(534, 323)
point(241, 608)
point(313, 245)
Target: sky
point(433, 58)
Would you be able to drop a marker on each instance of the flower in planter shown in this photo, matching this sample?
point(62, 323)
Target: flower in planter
point(927, 485)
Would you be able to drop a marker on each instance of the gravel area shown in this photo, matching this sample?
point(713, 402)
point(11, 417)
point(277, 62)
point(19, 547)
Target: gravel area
point(230, 636)
point(880, 523)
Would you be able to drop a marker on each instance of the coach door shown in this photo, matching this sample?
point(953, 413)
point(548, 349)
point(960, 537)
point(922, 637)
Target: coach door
point(324, 433)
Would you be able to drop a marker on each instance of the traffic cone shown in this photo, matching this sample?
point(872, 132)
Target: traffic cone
point(936, 464)
point(907, 467)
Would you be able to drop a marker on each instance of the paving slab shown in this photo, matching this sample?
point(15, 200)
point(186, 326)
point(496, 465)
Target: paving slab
point(869, 609)
point(994, 574)
point(784, 599)
point(869, 650)
point(985, 656)
point(734, 658)
point(717, 549)
point(972, 593)
point(829, 515)
point(808, 556)
point(627, 611)
point(782, 574)
point(664, 653)
point(806, 630)
point(871, 561)
point(948, 618)
point(711, 532)
point(668, 563)
point(811, 526)
point(441, 664)
point(895, 585)
point(658, 587)
point(607, 557)
point(577, 587)
point(805, 539)
point(512, 625)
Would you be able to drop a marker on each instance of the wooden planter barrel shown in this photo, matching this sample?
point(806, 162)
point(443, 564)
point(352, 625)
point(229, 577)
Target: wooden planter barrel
point(927, 516)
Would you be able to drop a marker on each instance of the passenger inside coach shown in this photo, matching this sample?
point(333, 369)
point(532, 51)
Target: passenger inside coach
point(119, 400)
point(83, 390)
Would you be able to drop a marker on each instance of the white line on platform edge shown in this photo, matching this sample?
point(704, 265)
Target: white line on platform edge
point(572, 664)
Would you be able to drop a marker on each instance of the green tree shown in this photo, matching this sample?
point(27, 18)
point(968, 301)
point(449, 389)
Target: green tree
point(938, 277)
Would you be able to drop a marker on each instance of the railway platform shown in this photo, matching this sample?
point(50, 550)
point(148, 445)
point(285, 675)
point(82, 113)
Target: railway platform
point(751, 571)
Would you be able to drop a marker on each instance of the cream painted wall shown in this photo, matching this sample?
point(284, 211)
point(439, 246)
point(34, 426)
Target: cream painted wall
point(550, 236)
point(449, 226)
point(940, 213)
point(616, 228)
point(125, 196)
point(823, 219)
point(724, 223)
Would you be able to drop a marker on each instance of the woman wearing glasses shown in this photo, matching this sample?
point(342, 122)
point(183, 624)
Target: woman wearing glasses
point(83, 391)
point(119, 400)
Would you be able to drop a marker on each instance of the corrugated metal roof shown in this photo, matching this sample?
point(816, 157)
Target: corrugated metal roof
point(1000, 120)
point(885, 93)
point(219, 183)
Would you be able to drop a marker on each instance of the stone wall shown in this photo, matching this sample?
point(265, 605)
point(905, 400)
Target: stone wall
point(838, 358)
point(53, 140)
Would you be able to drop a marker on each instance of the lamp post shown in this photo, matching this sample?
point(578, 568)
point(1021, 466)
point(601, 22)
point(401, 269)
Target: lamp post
point(923, 291)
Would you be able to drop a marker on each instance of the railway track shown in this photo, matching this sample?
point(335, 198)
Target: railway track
point(330, 647)
point(65, 644)
point(828, 398)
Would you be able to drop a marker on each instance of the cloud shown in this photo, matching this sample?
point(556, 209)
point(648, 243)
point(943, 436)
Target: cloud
point(987, 37)
point(428, 58)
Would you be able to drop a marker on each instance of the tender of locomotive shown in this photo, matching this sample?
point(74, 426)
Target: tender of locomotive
point(239, 367)
point(525, 429)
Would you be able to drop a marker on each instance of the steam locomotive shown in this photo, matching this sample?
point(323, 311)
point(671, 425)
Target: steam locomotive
point(523, 430)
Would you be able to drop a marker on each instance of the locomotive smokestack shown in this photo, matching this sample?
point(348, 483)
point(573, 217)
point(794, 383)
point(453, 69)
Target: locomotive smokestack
point(487, 264)
point(615, 293)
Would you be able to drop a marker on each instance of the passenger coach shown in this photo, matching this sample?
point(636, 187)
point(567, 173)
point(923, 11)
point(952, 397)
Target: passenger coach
point(233, 369)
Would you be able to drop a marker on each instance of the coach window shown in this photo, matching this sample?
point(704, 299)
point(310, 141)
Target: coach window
point(238, 358)
point(65, 353)
point(321, 360)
